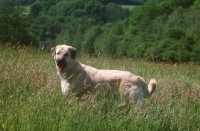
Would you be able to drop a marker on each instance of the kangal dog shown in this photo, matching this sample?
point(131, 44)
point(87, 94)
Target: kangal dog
point(84, 78)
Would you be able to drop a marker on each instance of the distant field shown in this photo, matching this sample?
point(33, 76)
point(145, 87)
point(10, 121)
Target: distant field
point(31, 99)
point(130, 7)
point(27, 10)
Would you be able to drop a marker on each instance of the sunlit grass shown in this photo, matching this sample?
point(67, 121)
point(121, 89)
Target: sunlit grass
point(31, 99)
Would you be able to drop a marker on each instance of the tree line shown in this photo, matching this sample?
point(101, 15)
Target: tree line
point(159, 30)
point(124, 2)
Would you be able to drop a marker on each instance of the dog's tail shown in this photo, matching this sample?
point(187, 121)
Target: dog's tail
point(152, 86)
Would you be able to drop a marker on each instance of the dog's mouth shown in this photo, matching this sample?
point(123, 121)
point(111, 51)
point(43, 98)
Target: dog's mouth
point(61, 64)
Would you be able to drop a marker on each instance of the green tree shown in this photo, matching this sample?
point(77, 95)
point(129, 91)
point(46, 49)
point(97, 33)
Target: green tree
point(114, 13)
point(13, 24)
point(196, 4)
point(96, 11)
point(35, 9)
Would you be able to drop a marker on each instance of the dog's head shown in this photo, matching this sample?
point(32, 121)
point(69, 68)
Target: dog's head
point(63, 56)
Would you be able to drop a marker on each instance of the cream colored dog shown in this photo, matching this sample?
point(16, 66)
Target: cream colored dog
point(84, 78)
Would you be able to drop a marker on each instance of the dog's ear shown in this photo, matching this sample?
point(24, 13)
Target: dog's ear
point(53, 51)
point(73, 52)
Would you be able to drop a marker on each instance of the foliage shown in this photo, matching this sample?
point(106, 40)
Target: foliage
point(167, 35)
point(25, 2)
point(14, 24)
point(71, 22)
point(114, 12)
point(124, 2)
point(161, 30)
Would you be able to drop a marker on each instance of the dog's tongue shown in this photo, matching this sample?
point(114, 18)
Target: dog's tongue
point(59, 68)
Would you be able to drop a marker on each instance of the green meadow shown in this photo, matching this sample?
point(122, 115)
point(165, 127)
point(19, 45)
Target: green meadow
point(130, 7)
point(31, 99)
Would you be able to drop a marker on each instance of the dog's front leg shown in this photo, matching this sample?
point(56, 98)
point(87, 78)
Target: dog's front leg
point(65, 86)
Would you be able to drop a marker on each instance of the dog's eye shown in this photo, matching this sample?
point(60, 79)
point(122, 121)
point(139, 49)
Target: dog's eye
point(66, 54)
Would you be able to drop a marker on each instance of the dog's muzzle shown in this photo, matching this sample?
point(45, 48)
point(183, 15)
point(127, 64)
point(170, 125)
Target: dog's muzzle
point(61, 64)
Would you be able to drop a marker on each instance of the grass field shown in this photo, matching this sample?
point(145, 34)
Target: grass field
point(31, 100)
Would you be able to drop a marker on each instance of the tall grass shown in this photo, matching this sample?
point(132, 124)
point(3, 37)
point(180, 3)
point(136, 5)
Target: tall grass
point(31, 99)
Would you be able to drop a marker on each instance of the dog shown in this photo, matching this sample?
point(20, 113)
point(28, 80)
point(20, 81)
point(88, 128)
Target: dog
point(84, 78)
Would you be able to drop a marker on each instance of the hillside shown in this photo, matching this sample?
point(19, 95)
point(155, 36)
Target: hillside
point(122, 2)
point(164, 30)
